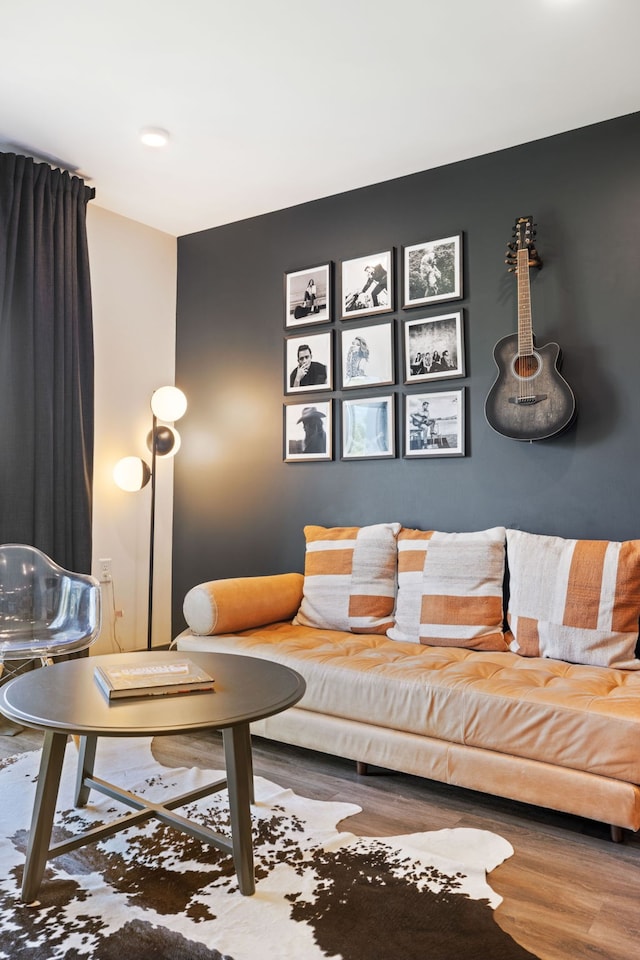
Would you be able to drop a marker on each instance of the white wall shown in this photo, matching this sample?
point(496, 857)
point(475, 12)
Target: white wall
point(133, 280)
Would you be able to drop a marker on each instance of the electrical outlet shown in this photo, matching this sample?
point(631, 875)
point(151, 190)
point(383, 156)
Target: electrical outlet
point(104, 570)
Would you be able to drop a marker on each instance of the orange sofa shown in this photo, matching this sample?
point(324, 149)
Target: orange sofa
point(536, 729)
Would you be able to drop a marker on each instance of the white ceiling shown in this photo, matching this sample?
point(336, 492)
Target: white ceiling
point(271, 103)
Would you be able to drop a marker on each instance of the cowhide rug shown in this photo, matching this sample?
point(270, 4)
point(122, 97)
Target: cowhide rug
point(153, 892)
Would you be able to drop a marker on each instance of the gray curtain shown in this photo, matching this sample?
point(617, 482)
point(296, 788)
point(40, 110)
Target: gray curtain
point(46, 362)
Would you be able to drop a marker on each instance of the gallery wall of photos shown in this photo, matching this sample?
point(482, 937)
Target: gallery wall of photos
point(340, 365)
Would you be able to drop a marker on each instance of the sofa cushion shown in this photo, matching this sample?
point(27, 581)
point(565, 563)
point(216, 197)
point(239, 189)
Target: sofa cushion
point(221, 606)
point(579, 717)
point(450, 588)
point(349, 578)
point(574, 600)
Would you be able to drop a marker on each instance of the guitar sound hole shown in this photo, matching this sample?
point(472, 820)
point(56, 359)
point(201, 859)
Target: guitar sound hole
point(526, 366)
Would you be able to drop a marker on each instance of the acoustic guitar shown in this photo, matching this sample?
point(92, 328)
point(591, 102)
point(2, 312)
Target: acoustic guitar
point(529, 399)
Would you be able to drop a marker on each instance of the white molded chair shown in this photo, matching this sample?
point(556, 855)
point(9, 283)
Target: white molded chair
point(45, 610)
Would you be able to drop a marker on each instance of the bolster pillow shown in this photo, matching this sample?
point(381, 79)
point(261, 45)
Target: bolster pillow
point(223, 606)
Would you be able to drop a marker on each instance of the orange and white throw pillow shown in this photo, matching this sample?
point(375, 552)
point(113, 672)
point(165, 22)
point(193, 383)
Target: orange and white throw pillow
point(574, 600)
point(349, 578)
point(450, 588)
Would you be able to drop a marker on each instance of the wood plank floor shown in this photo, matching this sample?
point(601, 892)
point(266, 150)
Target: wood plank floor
point(569, 892)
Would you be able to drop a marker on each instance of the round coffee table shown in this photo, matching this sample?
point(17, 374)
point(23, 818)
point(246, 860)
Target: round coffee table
point(65, 699)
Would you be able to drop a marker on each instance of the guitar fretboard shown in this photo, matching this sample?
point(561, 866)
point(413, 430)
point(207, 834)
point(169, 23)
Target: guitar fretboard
point(525, 333)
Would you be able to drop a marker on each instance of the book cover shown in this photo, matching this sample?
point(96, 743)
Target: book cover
point(138, 679)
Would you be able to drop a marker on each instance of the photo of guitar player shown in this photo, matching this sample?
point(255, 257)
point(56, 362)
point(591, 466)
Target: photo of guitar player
point(308, 296)
point(434, 424)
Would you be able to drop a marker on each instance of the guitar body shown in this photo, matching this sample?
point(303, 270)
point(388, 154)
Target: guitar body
point(529, 400)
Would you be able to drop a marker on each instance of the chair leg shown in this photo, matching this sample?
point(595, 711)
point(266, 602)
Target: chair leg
point(7, 727)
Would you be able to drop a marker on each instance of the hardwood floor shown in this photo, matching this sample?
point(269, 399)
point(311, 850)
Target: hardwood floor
point(569, 892)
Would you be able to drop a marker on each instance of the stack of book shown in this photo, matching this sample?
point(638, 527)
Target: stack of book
point(138, 679)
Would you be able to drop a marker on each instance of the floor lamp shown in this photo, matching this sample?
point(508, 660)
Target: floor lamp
point(168, 404)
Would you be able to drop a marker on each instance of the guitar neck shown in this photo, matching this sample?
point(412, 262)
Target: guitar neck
point(525, 333)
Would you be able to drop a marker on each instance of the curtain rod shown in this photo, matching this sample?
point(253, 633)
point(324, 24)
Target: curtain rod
point(55, 163)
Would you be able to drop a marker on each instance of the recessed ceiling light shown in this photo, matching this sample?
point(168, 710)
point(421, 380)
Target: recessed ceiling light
point(154, 137)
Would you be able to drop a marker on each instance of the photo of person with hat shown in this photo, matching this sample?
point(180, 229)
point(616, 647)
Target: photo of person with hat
point(308, 431)
point(315, 438)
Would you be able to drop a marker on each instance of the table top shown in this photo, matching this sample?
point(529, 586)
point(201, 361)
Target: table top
point(65, 697)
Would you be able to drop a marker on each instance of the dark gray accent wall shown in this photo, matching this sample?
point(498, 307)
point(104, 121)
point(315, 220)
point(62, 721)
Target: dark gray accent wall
point(240, 510)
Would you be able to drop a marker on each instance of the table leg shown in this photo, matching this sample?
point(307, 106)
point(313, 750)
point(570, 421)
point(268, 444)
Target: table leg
point(44, 808)
point(252, 793)
point(238, 761)
point(86, 762)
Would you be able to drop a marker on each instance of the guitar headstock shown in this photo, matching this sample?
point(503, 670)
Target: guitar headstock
point(524, 234)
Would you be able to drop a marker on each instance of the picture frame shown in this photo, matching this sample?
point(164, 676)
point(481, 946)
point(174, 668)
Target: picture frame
point(434, 424)
point(308, 362)
point(308, 431)
point(308, 296)
point(368, 428)
point(432, 271)
point(367, 285)
point(434, 347)
point(367, 355)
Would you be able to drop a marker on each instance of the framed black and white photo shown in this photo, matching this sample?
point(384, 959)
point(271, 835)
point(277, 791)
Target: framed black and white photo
point(367, 355)
point(367, 285)
point(432, 271)
point(434, 424)
point(368, 428)
point(434, 347)
point(308, 431)
point(308, 362)
point(307, 296)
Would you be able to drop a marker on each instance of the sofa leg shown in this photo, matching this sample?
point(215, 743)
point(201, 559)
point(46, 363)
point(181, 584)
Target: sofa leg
point(617, 834)
point(362, 769)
